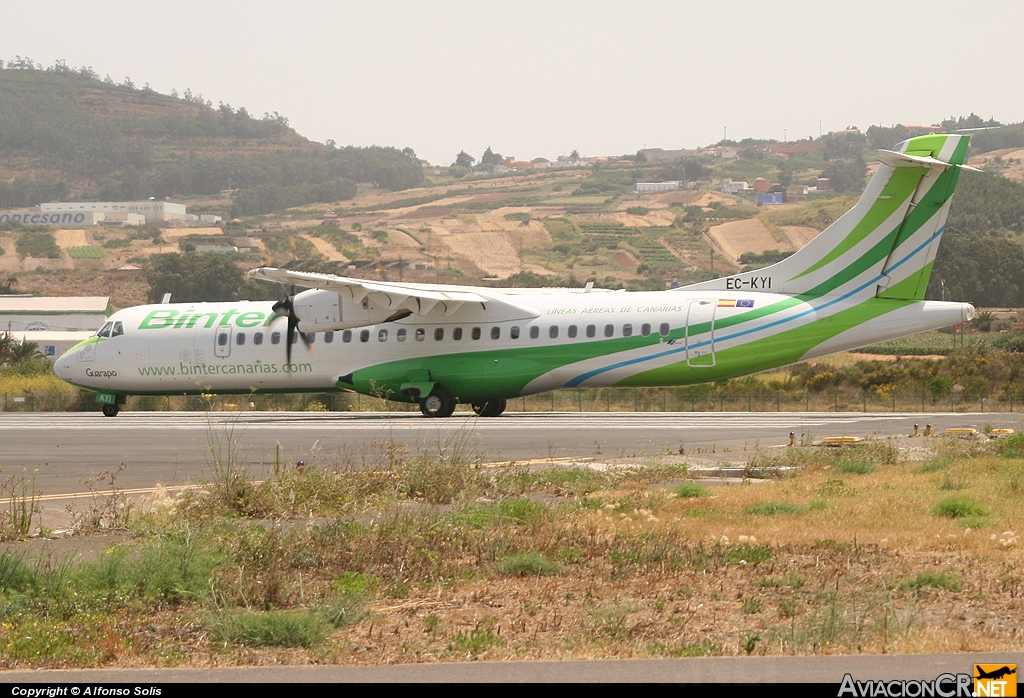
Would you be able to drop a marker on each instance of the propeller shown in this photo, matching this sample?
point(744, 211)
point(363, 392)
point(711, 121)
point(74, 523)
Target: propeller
point(286, 306)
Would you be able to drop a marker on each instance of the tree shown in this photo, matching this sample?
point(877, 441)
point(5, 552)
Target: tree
point(490, 157)
point(574, 156)
point(7, 283)
point(464, 159)
point(846, 176)
point(194, 278)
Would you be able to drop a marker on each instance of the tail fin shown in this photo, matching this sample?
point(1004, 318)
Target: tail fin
point(886, 244)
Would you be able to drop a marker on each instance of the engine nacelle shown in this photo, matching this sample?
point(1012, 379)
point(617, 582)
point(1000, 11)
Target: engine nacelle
point(320, 310)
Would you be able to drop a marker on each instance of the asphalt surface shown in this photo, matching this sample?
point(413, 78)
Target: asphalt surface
point(65, 450)
point(742, 670)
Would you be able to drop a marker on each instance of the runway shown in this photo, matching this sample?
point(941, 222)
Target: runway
point(175, 448)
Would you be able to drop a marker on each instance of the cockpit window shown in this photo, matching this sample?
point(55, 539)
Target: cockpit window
point(118, 329)
point(105, 330)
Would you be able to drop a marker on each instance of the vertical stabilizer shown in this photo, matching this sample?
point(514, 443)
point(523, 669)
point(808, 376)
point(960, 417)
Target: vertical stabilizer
point(886, 243)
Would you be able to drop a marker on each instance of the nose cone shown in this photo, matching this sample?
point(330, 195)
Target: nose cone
point(62, 366)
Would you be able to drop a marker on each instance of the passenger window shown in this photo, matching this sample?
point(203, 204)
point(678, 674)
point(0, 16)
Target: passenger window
point(400, 335)
point(438, 334)
point(257, 338)
point(591, 330)
point(609, 330)
point(534, 332)
point(663, 330)
point(627, 330)
point(310, 337)
point(295, 336)
point(275, 337)
point(495, 332)
point(645, 329)
point(240, 338)
point(572, 331)
point(222, 339)
point(553, 332)
point(420, 334)
point(476, 333)
point(105, 330)
point(328, 337)
point(364, 336)
point(346, 336)
point(118, 329)
point(457, 334)
point(382, 336)
point(514, 332)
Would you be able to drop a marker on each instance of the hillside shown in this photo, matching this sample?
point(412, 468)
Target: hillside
point(65, 134)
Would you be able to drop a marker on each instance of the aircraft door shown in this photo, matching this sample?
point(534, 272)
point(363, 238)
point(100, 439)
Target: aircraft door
point(222, 341)
point(700, 341)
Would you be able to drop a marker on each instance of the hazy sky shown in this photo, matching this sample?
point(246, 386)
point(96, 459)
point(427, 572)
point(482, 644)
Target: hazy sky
point(543, 78)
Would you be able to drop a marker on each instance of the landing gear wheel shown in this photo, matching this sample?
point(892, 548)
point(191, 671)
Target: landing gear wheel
point(440, 403)
point(110, 410)
point(491, 408)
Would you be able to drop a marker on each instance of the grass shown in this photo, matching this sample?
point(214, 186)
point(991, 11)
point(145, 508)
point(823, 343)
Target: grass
point(934, 580)
point(775, 508)
point(269, 629)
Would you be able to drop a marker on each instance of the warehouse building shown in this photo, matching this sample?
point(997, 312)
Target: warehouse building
point(154, 211)
point(20, 313)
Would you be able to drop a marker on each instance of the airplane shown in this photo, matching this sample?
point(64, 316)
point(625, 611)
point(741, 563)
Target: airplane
point(862, 280)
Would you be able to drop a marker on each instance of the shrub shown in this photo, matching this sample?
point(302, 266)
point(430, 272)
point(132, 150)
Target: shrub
point(958, 508)
point(531, 564)
point(689, 490)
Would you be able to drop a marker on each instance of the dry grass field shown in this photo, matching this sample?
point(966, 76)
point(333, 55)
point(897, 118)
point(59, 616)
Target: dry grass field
point(907, 545)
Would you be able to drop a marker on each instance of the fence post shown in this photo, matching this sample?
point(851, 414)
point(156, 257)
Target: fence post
point(524, 403)
point(864, 394)
point(750, 400)
point(807, 401)
point(579, 395)
point(664, 399)
point(1011, 402)
point(778, 401)
point(721, 401)
point(636, 400)
point(894, 401)
point(552, 400)
point(836, 396)
point(922, 401)
point(608, 398)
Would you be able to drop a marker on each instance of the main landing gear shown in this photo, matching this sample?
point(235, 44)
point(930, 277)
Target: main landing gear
point(491, 408)
point(111, 410)
point(440, 403)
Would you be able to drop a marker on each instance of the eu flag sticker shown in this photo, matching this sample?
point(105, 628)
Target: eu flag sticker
point(749, 303)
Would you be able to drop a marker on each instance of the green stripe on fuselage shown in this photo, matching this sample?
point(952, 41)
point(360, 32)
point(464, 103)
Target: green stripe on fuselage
point(780, 349)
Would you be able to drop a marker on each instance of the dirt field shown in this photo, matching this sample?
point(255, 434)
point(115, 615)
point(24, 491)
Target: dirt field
point(70, 238)
point(491, 251)
point(326, 249)
point(799, 235)
point(986, 161)
point(749, 235)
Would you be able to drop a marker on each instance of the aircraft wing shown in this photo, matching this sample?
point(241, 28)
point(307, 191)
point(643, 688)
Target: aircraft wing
point(420, 299)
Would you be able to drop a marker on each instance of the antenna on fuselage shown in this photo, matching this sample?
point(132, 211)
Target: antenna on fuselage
point(166, 299)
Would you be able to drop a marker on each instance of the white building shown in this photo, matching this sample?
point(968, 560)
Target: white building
point(52, 314)
point(52, 345)
point(154, 211)
point(656, 187)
